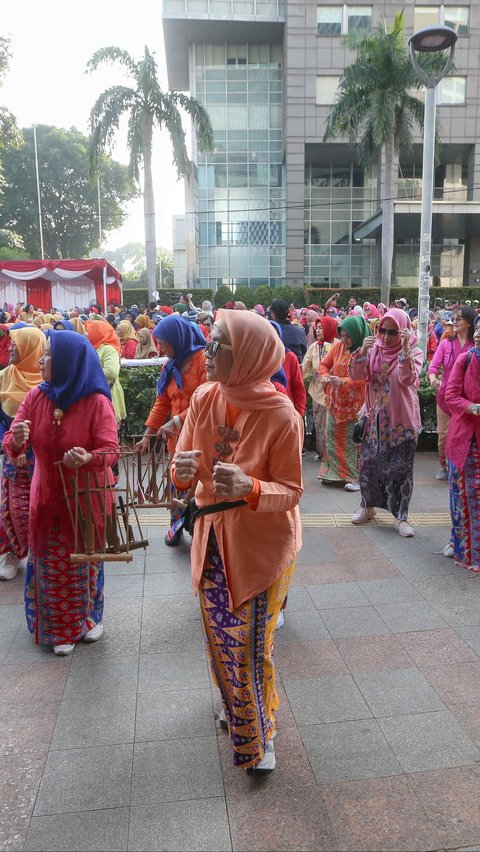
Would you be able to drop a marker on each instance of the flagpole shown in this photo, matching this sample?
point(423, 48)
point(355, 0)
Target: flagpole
point(38, 190)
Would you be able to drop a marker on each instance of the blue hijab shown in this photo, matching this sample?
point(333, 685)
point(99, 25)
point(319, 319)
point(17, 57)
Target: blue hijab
point(279, 376)
point(67, 325)
point(76, 370)
point(185, 338)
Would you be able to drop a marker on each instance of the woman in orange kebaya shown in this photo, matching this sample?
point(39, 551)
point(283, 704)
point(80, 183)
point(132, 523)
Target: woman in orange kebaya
point(242, 444)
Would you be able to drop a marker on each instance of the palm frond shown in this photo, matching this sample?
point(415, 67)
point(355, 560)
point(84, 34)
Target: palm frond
point(166, 114)
point(135, 140)
point(110, 55)
point(200, 119)
point(105, 119)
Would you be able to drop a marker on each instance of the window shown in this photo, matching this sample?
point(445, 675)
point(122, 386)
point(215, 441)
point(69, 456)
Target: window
point(455, 17)
point(451, 91)
point(341, 20)
point(326, 90)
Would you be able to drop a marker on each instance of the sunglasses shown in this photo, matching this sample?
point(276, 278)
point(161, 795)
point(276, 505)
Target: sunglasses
point(389, 332)
point(213, 346)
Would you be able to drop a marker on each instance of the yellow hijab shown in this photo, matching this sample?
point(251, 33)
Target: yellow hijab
point(125, 331)
point(18, 379)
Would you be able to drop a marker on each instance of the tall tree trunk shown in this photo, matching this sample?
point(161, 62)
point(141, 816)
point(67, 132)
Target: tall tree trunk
point(149, 208)
point(388, 219)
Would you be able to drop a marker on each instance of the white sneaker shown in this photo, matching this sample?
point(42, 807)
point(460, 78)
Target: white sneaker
point(317, 457)
point(63, 650)
point(448, 551)
point(223, 720)
point(266, 764)
point(363, 516)
point(441, 474)
point(94, 634)
point(352, 486)
point(280, 620)
point(403, 528)
point(9, 567)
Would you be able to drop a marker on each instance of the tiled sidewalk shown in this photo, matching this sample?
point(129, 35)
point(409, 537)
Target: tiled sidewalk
point(379, 728)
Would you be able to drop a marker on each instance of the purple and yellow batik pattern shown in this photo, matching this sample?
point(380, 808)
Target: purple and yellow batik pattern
point(240, 648)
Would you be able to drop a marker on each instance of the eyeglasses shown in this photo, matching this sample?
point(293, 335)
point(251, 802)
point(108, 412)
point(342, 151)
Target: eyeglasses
point(389, 332)
point(213, 346)
point(457, 318)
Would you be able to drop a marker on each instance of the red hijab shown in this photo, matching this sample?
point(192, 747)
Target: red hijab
point(329, 325)
point(4, 346)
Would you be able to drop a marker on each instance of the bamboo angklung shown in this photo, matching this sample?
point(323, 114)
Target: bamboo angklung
point(91, 505)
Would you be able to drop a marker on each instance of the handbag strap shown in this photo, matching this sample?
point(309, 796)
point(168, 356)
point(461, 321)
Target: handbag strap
point(218, 507)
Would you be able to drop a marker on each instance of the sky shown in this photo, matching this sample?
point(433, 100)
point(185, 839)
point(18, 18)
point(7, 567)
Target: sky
point(51, 43)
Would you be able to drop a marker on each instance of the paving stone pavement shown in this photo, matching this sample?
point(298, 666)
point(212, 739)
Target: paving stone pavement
point(378, 747)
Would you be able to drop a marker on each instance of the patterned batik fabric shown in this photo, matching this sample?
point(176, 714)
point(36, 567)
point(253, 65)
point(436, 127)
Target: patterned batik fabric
point(465, 510)
point(63, 600)
point(340, 456)
point(240, 649)
point(386, 476)
point(320, 422)
point(177, 514)
point(14, 506)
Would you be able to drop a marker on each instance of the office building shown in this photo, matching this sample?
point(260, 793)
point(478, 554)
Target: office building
point(275, 204)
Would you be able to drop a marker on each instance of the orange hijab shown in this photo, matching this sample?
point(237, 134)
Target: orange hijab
point(258, 353)
point(18, 379)
point(101, 332)
point(142, 321)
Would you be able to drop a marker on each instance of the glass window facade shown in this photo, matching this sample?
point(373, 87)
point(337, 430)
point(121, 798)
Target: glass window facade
point(337, 200)
point(452, 91)
point(341, 20)
point(455, 17)
point(241, 185)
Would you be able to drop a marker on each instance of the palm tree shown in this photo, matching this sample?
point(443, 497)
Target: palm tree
point(147, 106)
point(375, 110)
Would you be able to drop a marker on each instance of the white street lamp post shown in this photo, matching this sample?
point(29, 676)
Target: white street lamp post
point(428, 40)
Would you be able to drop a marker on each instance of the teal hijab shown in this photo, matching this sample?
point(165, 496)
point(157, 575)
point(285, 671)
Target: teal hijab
point(357, 329)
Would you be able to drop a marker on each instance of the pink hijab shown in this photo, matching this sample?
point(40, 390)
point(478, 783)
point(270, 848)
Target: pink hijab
point(258, 353)
point(370, 311)
point(383, 355)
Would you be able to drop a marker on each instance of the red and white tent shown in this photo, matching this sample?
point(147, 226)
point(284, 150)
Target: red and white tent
point(59, 283)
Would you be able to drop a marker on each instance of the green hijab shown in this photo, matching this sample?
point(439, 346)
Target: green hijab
point(357, 329)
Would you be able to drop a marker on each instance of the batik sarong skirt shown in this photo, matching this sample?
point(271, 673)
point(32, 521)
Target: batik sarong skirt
point(240, 649)
point(386, 476)
point(63, 600)
point(465, 509)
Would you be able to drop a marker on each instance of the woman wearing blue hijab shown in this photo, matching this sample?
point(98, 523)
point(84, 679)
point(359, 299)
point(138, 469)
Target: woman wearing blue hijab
point(183, 343)
point(69, 419)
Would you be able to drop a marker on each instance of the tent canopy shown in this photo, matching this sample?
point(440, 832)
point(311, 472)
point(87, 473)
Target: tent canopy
point(60, 283)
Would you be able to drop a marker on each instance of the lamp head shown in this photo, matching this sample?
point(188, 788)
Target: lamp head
point(433, 39)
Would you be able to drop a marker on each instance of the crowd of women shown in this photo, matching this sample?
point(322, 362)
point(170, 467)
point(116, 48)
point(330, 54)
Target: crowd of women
point(230, 405)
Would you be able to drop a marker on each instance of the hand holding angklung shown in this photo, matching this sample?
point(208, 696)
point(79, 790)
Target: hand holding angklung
point(186, 465)
point(229, 480)
point(76, 457)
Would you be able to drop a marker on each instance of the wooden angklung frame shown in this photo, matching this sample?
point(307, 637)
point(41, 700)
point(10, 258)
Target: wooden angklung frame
point(152, 474)
point(95, 505)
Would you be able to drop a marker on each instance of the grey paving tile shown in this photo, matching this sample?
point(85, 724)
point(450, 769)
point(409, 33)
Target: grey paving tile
point(85, 779)
point(299, 600)
point(90, 831)
point(336, 595)
point(428, 741)
point(391, 543)
point(171, 623)
point(176, 770)
point(125, 586)
point(413, 567)
point(24, 650)
point(332, 698)
point(355, 621)
point(122, 620)
point(6, 639)
point(178, 670)
point(398, 692)
point(345, 751)
point(161, 558)
point(389, 590)
point(94, 677)
point(412, 615)
point(182, 826)
point(471, 635)
point(315, 549)
point(305, 626)
point(174, 715)
point(102, 721)
point(169, 583)
point(11, 617)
